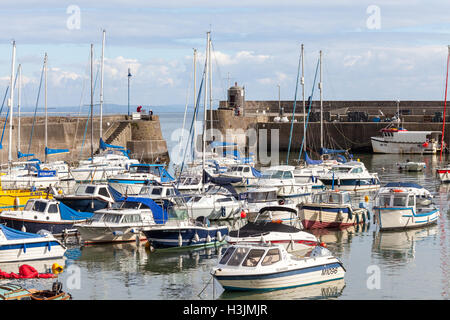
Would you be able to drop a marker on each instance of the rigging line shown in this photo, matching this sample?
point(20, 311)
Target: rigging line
point(4, 98)
point(310, 99)
point(35, 111)
point(224, 89)
point(293, 110)
point(88, 117)
point(187, 102)
point(80, 106)
point(445, 107)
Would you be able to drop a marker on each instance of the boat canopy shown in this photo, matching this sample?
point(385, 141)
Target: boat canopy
point(22, 155)
point(331, 151)
point(403, 185)
point(13, 234)
point(55, 151)
point(104, 145)
point(218, 144)
point(68, 213)
point(160, 216)
point(311, 161)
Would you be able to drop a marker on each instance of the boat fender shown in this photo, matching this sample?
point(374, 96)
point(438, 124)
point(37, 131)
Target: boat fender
point(350, 215)
point(56, 268)
point(196, 237)
point(219, 236)
point(17, 203)
point(23, 229)
point(117, 233)
point(263, 240)
point(208, 238)
point(357, 218)
point(180, 240)
point(339, 216)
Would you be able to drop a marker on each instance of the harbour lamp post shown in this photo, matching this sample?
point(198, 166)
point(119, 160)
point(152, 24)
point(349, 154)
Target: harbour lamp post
point(129, 77)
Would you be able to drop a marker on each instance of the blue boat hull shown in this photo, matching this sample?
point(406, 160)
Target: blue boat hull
point(169, 238)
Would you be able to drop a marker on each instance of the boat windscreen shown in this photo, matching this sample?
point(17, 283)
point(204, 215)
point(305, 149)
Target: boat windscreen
point(253, 257)
point(272, 256)
point(39, 206)
point(227, 255)
point(238, 256)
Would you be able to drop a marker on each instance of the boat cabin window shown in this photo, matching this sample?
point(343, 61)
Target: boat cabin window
point(39, 206)
point(253, 257)
point(287, 175)
point(356, 170)
point(114, 218)
point(384, 200)
point(97, 216)
point(272, 256)
point(272, 174)
point(238, 256)
point(261, 196)
point(246, 169)
point(103, 192)
point(53, 208)
point(400, 201)
point(226, 199)
point(29, 205)
point(156, 191)
point(145, 169)
point(227, 255)
point(90, 189)
point(133, 205)
point(130, 218)
point(340, 169)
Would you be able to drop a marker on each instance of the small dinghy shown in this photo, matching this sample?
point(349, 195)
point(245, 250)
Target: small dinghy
point(411, 166)
point(55, 293)
point(21, 246)
point(270, 267)
point(11, 291)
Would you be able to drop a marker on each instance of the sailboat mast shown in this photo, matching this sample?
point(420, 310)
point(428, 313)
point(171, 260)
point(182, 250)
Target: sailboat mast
point(195, 103)
point(205, 109)
point(11, 100)
point(321, 102)
point(45, 104)
point(445, 106)
point(101, 84)
point(210, 86)
point(92, 103)
point(303, 92)
point(18, 106)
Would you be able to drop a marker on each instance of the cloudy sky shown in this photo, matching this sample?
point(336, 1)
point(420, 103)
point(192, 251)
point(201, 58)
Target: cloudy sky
point(382, 50)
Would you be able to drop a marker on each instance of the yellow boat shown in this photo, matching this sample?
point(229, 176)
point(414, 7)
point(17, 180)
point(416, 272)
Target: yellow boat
point(16, 199)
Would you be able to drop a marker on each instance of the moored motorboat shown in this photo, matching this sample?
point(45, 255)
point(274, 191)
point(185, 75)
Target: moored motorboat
point(404, 205)
point(16, 245)
point(332, 209)
point(270, 267)
point(44, 214)
point(411, 166)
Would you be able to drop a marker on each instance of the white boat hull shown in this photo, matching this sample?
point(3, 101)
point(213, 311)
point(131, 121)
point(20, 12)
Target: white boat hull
point(31, 251)
point(403, 218)
point(108, 234)
point(379, 145)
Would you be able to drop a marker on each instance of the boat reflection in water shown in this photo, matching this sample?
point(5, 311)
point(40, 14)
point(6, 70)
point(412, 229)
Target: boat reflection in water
point(168, 262)
point(327, 290)
point(396, 247)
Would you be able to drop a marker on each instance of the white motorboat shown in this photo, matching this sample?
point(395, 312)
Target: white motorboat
point(282, 178)
point(247, 174)
point(332, 209)
point(23, 246)
point(257, 198)
point(270, 267)
point(131, 182)
point(218, 203)
point(87, 197)
point(48, 215)
point(400, 140)
point(276, 231)
point(123, 223)
point(404, 205)
point(350, 176)
point(443, 173)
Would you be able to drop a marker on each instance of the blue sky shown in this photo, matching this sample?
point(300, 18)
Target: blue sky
point(256, 43)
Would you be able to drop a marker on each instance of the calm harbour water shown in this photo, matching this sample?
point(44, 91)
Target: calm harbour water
point(412, 264)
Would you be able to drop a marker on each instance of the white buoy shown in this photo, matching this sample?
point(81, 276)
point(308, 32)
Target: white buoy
point(23, 229)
